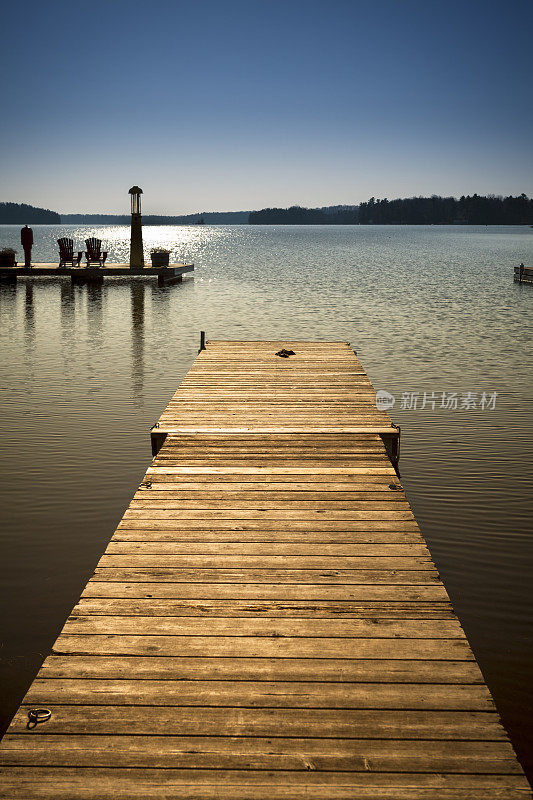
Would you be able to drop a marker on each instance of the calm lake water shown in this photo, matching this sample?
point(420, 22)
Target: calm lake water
point(86, 371)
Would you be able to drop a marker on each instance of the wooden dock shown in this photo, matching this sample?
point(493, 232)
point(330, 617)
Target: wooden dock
point(166, 275)
point(523, 274)
point(266, 622)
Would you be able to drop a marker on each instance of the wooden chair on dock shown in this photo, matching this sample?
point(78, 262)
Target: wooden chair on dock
point(66, 253)
point(94, 253)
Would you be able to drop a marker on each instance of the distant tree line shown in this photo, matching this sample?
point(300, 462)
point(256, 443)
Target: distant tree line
point(209, 217)
point(22, 214)
point(95, 219)
point(435, 210)
point(470, 210)
point(296, 215)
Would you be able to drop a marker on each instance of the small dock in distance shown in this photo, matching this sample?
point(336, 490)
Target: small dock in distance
point(266, 622)
point(165, 275)
point(523, 274)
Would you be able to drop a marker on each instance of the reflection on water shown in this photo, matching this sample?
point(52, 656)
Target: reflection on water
point(67, 321)
point(29, 319)
point(92, 294)
point(137, 341)
point(86, 370)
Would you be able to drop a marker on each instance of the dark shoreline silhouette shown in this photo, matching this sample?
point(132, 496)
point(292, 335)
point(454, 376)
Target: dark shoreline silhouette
point(22, 214)
point(296, 215)
point(435, 210)
point(210, 218)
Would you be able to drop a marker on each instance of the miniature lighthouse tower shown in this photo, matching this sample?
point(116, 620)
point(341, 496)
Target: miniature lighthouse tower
point(136, 246)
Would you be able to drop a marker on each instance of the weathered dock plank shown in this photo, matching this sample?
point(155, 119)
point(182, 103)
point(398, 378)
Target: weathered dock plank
point(266, 621)
point(172, 274)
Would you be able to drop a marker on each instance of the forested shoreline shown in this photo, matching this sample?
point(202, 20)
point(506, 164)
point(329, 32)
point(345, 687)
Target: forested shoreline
point(435, 210)
point(296, 215)
point(23, 214)
point(208, 217)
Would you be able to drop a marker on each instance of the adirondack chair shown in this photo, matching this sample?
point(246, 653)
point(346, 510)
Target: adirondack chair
point(94, 253)
point(66, 253)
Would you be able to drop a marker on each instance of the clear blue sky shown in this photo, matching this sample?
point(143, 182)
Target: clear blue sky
point(219, 105)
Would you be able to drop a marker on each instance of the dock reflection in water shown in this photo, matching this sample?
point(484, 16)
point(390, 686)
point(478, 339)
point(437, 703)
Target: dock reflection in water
point(29, 317)
point(68, 316)
point(137, 289)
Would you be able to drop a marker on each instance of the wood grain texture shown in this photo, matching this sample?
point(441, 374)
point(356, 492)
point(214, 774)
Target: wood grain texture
point(266, 622)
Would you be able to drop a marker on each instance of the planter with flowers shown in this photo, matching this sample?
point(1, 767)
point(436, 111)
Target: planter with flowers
point(7, 257)
point(160, 257)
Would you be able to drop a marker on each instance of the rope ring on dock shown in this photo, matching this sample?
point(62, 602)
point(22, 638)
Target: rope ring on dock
point(37, 715)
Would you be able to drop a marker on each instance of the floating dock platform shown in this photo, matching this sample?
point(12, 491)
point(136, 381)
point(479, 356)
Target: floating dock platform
point(266, 622)
point(165, 275)
point(523, 274)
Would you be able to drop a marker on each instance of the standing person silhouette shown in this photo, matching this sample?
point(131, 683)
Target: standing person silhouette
point(26, 240)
